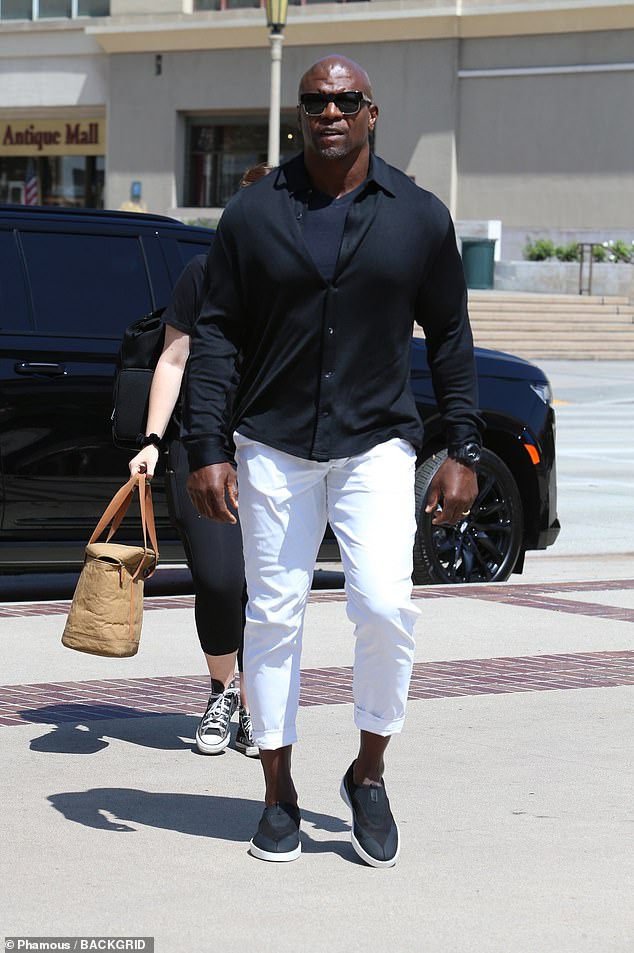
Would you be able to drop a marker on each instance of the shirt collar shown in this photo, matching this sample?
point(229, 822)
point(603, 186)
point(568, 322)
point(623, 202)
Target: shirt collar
point(293, 175)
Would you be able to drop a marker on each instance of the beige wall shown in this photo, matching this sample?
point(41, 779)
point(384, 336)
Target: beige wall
point(551, 151)
point(550, 147)
point(557, 148)
point(149, 7)
point(52, 81)
point(46, 67)
point(146, 125)
point(414, 84)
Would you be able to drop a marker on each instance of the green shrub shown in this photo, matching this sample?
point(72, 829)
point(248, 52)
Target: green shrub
point(539, 250)
point(543, 248)
point(619, 250)
point(569, 252)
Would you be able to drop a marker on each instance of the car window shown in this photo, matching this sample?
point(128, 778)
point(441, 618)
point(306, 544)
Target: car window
point(14, 309)
point(189, 249)
point(92, 285)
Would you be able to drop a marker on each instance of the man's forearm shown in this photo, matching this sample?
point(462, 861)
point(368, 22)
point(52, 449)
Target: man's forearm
point(442, 312)
point(209, 378)
point(208, 382)
point(455, 385)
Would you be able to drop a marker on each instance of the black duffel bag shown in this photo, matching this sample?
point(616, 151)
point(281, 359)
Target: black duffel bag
point(141, 347)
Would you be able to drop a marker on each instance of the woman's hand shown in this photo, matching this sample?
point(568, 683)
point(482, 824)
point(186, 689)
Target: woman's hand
point(145, 461)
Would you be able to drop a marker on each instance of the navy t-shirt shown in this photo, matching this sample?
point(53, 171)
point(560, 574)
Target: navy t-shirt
point(188, 295)
point(182, 313)
point(324, 221)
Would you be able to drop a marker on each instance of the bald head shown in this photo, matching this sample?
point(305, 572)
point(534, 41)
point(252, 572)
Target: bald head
point(336, 126)
point(336, 69)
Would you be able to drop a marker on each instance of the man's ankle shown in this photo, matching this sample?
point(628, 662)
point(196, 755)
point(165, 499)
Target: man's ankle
point(364, 773)
point(285, 795)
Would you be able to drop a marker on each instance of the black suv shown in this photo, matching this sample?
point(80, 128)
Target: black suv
point(72, 280)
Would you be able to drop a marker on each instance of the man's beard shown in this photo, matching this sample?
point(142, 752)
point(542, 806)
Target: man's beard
point(335, 151)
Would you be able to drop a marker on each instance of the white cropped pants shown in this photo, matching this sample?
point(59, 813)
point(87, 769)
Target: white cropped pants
point(285, 503)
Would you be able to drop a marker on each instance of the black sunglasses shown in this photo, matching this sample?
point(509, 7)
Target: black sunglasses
point(348, 103)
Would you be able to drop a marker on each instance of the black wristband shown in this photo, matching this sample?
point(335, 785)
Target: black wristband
point(152, 439)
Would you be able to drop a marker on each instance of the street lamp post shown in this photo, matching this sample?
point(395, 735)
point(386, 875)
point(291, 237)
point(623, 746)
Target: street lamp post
point(276, 11)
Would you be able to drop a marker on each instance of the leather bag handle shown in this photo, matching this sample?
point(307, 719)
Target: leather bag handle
point(118, 507)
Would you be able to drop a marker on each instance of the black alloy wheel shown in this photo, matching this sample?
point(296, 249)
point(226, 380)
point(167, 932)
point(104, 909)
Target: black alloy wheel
point(483, 546)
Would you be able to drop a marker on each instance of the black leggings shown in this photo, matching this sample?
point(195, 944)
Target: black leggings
point(214, 556)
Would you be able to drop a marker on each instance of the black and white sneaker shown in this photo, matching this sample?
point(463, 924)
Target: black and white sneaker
point(244, 737)
point(375, 836)
point(277, 836)
point(213, 734)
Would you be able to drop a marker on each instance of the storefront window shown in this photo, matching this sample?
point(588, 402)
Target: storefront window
point(48, 9)
point(54, 8)
point(93, 8)
point(233, 4)
point(218, 154)
point(16, 9)
point(75, 181)
point(225, 4)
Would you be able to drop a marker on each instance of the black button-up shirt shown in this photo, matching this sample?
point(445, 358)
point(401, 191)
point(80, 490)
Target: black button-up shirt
point(324, 365)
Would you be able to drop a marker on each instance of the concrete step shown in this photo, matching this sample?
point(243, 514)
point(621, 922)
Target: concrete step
point(545, 354)
point(519, 296)
point(564, 349)
point(594, 336)
point(620, 333)
point(490, 307)
point(574, 327)
point(535, 338)
point(556, 325)
point(564, 326)
point(510, 344)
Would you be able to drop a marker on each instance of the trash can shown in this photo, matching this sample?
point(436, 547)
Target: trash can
point(478, 261)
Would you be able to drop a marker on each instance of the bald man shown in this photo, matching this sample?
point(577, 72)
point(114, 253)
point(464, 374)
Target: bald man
point(318, 273)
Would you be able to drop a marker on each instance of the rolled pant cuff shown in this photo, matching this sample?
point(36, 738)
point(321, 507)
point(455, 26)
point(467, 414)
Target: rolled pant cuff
point(377, 726)
point(271, 740)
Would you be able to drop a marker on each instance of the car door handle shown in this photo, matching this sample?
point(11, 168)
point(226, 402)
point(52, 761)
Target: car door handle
point(40, 369)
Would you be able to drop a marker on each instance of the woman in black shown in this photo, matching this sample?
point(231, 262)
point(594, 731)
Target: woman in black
point(213, 550)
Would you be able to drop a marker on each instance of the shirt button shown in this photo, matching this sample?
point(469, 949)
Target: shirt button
point(328, 374)
point(324, 413)
point(331, 330)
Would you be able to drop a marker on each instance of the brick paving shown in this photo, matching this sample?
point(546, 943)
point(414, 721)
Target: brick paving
point(552, 597)
point(82, 701)
point(100, 699)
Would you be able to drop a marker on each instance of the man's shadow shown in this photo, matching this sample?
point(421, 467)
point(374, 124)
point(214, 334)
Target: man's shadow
point(83, 729)
point(225, 818)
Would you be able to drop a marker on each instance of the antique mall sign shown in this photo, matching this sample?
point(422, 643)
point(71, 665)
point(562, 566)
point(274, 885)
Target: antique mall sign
point(55, 137)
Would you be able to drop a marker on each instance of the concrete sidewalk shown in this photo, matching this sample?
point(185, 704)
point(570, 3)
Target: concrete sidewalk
point(512, 785)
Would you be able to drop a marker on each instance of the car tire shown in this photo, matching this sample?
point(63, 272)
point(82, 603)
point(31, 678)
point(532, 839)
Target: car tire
point(485, 545)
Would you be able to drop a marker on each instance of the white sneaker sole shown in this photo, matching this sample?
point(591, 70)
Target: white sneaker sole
point(274, 858)
point(363, 854)
point(251, 751)
point(205, 748)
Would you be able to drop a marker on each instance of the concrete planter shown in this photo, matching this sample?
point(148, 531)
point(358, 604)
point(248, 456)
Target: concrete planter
point(559, 277)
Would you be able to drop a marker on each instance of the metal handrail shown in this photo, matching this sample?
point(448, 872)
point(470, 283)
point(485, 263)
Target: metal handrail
point(586, 255)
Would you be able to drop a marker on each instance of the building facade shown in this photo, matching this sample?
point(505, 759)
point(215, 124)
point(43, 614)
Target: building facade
point(519, 112)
